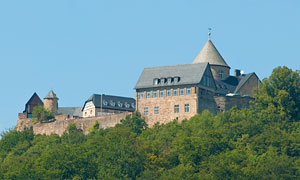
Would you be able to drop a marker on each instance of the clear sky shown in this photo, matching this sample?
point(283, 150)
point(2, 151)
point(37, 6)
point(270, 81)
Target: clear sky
point(78, 48)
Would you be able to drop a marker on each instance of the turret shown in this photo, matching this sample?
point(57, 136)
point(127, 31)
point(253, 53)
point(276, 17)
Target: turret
point(210, 54)
point(51, 102)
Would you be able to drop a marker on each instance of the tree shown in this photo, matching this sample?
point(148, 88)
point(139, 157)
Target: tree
point(94, 127)
point(40, 114)
point(280, 94)
point(135, 122)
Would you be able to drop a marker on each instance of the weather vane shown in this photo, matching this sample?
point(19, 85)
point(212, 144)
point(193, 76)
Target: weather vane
point(209, 33)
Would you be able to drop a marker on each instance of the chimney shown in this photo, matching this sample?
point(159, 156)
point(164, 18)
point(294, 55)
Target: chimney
point(237, 72)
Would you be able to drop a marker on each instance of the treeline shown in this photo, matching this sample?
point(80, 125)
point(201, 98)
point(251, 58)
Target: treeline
point(262, 142)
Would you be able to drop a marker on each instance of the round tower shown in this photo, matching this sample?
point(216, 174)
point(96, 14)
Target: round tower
point(209, 53)
point(51, 102)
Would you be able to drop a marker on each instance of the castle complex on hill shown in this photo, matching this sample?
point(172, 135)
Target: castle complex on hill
point(163, 94)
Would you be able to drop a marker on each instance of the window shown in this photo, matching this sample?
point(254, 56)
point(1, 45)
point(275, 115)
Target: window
point(127, 105)
point(168, 92)
point(176, 108)
point(176, 79)
point(188, 91)
point(161, 93)
point(156, 81)
point(162, 80)
point(105, 103)
point(120, 104)
point(186, 108)
point(146, 111)
point(91, 111)
point(169, 80)
point(113, 103)
point(156, 110)
point(181, 92)
point(132, 105)
point(154, 94)
point(148, 94)
point(142, 95)
point(206, 81)
point(220, 74)
point(175, 92)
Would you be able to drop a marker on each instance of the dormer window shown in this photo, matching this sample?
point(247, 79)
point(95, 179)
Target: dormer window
point(132, 105)
point(169, 80)
point(120, 104)
point(127, 105)
point(105, 103)
point(162, 80)
point(156, 81)
point(176, 79)
point(112, 103)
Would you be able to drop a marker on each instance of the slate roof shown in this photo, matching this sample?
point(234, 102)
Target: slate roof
point(210, 54)
point(244, 78)
point(112, 102)
point(51, 95)
point(232, 84)
point(224, 88)
point(188, 74)
point(72, 111)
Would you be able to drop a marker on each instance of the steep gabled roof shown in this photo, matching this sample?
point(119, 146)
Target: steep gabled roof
point(33, 98)
point(111, 102)
point(51, 95)
point(210, 54)
point(243, 80)
point(188, 74)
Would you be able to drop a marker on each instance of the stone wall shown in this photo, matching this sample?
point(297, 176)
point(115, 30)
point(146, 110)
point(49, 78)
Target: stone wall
point(215, 71)
point(225, 103)
point(166, 105)
point(62, 122)
point(206, 101)
point(247, 88)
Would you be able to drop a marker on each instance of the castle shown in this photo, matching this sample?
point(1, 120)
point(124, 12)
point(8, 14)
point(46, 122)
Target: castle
point(163, 94)
point(180, 91)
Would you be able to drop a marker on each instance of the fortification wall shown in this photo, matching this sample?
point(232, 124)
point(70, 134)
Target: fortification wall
point(225, 103)
point(59, 126)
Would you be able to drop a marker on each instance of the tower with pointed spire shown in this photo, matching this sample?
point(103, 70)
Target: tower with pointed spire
point(210, 54)
point(51, 102)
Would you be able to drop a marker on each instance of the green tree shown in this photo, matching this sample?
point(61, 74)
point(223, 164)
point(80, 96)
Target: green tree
point(40, 114)
point(280, 94)
point(94, 127)
point(135, 122)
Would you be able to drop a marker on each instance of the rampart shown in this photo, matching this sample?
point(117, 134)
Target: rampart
point(62, 122)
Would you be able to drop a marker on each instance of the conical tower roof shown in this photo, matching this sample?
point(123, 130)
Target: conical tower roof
point(210, 54)
point(51, 95)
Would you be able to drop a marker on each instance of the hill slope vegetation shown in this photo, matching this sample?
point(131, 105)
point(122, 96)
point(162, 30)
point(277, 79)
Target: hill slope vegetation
point(262, 142)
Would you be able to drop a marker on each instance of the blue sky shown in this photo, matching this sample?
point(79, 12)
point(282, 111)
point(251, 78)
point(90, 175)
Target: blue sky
point(78, 48)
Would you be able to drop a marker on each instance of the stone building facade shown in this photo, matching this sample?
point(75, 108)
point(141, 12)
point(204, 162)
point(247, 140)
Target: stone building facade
point(179, 92)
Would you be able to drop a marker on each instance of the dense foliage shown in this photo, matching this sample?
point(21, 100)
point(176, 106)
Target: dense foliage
point(262, 142)
point(40, 114)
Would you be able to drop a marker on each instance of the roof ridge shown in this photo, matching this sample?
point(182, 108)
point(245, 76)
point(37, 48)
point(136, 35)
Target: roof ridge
point(175, 65)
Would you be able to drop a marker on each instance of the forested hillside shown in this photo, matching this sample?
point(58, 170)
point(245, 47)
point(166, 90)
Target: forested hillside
point(262, 142)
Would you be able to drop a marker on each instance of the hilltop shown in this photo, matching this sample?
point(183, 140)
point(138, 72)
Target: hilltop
point(261, 142)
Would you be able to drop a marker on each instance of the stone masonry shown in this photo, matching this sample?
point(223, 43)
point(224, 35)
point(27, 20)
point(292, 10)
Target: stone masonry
point(62, 122)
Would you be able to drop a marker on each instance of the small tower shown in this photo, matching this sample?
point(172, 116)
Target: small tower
point(210, 54)
point(51, 102)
